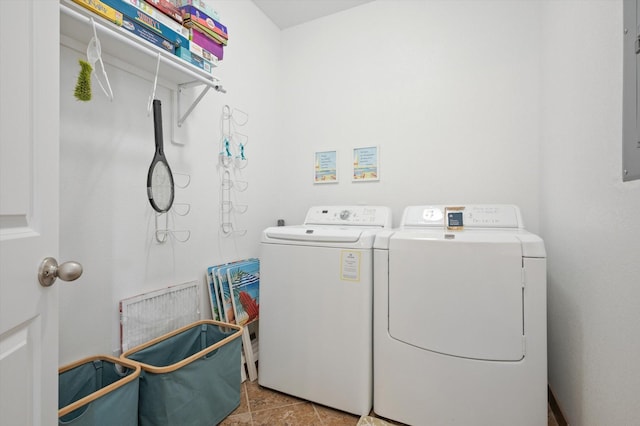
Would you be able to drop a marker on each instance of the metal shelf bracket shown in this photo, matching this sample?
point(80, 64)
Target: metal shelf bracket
point(181, 87)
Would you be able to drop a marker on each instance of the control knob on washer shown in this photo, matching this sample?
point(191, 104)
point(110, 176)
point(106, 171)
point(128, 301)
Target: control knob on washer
point(344, 214)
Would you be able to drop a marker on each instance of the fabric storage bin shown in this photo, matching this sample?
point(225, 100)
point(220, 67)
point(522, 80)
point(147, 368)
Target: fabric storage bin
point(98, 391)
point(190, 376)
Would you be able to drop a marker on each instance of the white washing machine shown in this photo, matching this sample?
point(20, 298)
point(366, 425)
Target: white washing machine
point(316, 308)
point(460, 331)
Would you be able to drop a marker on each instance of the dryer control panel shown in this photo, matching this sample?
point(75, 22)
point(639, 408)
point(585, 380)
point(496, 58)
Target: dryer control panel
point(376, 216)
point(458, 217)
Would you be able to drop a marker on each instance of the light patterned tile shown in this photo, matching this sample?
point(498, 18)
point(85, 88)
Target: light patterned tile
point(331, 417)
point(243, 419)
point(262, 406)
point(244, 405)
point(388, 421)
point(372, 421)
point(263, 399)
point(290, 415)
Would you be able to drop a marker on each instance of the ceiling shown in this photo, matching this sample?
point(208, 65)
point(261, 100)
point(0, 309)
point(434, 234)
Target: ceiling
point(288, 13)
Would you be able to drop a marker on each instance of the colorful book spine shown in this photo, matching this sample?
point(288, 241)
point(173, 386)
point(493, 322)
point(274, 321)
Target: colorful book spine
point(101, 9)
point(216, 49)
point(202, 5)
point(146, 34)
point(203, 53)
point(168, 8)
point(194, 17)
point(145, 20)
point(196, 14)
point(210, 34)
point(159, 16)
point(194, 59)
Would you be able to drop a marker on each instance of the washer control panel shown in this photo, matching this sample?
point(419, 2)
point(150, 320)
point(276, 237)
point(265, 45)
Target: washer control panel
point(459, 217)
point(377, 216)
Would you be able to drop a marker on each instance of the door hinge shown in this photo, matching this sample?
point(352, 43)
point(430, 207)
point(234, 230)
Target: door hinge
point(523, 277)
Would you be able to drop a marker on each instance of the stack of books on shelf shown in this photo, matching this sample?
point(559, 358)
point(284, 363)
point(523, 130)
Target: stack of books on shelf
point(189, 29)
point(206, 31)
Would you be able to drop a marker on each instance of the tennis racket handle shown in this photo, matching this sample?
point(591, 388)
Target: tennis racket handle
point(157, 125)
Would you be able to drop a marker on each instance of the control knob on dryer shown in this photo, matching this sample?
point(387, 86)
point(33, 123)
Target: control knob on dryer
point(344, 214)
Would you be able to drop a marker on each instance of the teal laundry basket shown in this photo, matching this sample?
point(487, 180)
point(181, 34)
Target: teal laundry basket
point(98, 391)
point(191, 376)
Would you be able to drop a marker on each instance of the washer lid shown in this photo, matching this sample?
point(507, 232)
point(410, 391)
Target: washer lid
point(306, 233)
point(461, 296)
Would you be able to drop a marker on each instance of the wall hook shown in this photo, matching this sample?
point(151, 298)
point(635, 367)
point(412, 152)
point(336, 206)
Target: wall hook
point(163, 233)
point(184, 178)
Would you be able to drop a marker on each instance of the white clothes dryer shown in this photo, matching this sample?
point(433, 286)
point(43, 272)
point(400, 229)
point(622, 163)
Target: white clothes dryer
point(460, 331)
point(316, 308)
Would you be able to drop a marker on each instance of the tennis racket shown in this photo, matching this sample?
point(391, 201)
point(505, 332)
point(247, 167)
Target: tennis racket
point(159, 179)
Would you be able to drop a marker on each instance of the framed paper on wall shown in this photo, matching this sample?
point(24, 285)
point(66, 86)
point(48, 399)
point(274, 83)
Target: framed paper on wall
point(325, 167)
point(366, 165)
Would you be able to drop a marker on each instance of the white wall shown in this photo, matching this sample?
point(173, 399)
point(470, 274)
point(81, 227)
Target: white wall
point(469, 101)
point(589, 218)
point(449, 91)
point(487, 101)
point(107, 223)
point(446, 90)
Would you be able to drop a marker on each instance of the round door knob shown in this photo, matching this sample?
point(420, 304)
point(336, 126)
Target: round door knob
point(50, 270)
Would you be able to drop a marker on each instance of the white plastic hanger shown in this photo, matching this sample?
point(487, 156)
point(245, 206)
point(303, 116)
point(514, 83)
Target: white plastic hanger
point(94, 55)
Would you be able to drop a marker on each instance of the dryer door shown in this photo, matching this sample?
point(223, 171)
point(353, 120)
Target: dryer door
point(461, 297)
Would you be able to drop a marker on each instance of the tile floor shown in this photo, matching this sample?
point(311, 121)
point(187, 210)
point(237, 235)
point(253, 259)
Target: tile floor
point(262, 406)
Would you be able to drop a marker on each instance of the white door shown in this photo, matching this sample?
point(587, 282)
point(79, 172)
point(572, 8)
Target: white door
point(29, 117)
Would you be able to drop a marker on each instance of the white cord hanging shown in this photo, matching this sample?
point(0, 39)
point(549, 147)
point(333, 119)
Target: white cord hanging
point(153, 92)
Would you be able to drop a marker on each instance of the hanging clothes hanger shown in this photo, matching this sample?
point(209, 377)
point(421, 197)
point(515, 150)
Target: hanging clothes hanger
point(94, 55)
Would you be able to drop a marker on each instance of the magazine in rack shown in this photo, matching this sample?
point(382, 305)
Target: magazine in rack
point(214, 299)
point(244, 284)
point(234, 291)
point(225, 294)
